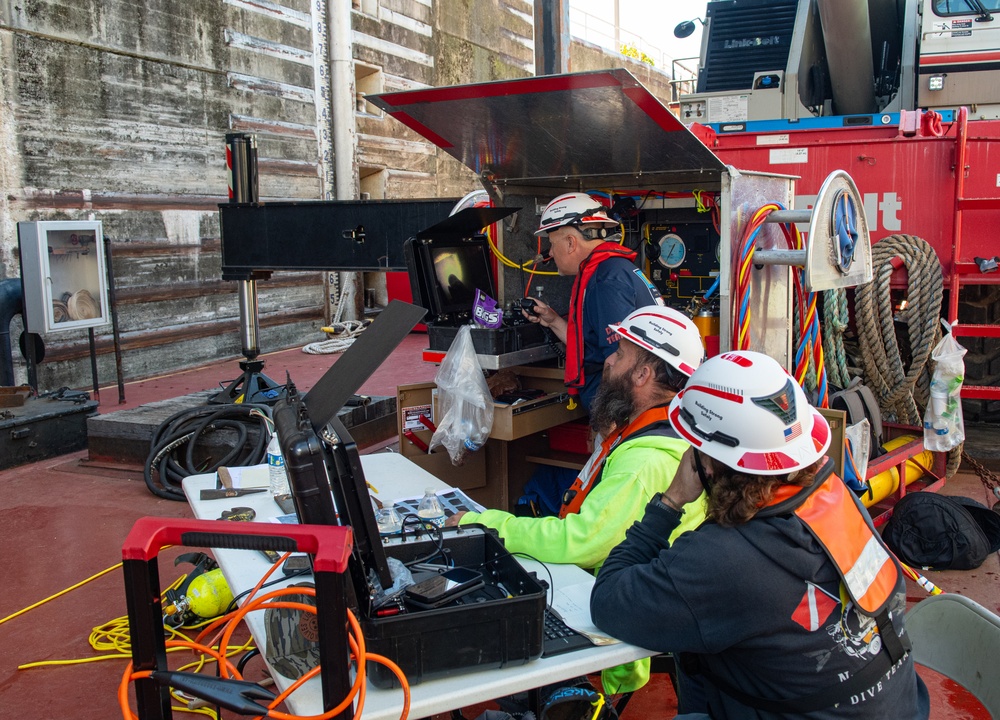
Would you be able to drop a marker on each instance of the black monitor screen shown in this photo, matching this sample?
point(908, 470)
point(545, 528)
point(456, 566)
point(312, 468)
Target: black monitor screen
point(459, 269)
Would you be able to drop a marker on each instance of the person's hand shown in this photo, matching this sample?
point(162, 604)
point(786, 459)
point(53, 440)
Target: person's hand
point(547, 317)
point(543, 314)
point(686, 486)
point(453, 520)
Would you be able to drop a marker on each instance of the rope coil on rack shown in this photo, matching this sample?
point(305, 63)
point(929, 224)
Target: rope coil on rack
point(836, 318)
point(901, 392)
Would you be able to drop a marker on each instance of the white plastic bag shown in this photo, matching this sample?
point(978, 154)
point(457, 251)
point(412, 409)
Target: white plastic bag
point(465, 405)
point(943, 425)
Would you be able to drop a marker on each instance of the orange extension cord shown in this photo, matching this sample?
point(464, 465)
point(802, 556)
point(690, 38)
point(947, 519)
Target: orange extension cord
point(228, 670)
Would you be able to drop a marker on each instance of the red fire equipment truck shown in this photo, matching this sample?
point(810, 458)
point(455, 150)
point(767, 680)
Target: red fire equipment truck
point(899, 94)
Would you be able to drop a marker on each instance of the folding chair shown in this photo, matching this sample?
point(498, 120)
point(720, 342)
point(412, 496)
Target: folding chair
point(960, 639)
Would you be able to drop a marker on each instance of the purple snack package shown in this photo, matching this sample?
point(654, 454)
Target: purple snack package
point(485, 311)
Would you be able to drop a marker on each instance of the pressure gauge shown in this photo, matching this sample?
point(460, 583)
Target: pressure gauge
point(672, 250)
point(718, 251)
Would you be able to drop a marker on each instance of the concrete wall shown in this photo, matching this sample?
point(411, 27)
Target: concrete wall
point(116, 110)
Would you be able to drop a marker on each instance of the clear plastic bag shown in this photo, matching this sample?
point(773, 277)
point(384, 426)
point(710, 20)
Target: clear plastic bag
point(464, 403)
point(943, 425)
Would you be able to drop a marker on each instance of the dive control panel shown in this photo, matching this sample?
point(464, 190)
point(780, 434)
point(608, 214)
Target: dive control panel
point(682, 259)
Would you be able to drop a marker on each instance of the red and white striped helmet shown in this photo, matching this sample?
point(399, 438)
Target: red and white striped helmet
point(573, 209)
point(744, 410)
point(667, 333)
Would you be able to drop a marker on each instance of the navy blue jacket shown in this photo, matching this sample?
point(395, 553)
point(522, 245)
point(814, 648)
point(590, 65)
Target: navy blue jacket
point(616, 288)
point(760, 605)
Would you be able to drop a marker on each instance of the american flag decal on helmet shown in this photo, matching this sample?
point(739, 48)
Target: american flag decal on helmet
point(793, 432)
point(780, 404)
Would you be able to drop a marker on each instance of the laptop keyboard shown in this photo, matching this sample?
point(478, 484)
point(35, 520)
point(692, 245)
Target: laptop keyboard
point(560, 637)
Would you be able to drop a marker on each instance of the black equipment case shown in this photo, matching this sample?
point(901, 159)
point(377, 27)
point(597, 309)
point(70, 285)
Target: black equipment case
point(328, 487)
point(447, 263)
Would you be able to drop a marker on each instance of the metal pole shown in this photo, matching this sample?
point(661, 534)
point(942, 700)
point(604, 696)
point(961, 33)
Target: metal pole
point(789, 216)
point(241, 162)
point(115, 332)
point(93, 364)
point(780, 257)
point(249, 319)
point(552, 38)
point(252, 386)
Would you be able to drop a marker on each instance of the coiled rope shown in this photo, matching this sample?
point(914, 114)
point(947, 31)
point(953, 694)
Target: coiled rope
point(342, 337)
point(340, 334)
point(836, 317)
point(901, 391)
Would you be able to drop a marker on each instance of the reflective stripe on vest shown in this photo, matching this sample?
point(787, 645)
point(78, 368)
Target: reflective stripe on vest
point(832, 516)
point(587, 479)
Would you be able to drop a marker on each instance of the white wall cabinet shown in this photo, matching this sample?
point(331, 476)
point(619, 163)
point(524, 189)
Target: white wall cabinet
point(64, 275)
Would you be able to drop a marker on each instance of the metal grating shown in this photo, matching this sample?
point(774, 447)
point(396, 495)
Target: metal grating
point(744, 38)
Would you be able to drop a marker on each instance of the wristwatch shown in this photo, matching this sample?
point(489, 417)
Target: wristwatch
point(661, 502)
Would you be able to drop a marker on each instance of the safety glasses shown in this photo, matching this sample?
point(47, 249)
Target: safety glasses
point(714, 436)
point(640, 333)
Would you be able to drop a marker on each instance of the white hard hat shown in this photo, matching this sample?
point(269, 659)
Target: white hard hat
point(667, 333)
point(744, 410)
point(573, 209)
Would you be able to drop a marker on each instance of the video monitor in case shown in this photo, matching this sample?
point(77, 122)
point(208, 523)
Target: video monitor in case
point(448, 262)
point(458, 268)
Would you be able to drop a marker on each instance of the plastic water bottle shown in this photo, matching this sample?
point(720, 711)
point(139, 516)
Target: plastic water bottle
point(430, 509)
point(388, 521)
point(276, 469)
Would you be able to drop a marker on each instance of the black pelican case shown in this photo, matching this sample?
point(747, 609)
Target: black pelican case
point(328, 486)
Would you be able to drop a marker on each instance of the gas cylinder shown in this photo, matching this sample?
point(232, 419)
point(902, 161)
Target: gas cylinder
point(886, 483)
point(707, 322)
point(209, 595)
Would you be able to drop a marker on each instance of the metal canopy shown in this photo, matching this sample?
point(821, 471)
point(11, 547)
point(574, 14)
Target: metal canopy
point(591, 129)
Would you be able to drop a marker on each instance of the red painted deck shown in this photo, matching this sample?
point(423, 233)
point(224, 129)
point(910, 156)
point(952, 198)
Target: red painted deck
point(64, 521)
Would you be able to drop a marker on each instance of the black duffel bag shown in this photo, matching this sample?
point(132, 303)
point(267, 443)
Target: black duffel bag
point(942, 532)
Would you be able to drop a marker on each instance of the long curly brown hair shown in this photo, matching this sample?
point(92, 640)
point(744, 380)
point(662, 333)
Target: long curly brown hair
point(736, 497)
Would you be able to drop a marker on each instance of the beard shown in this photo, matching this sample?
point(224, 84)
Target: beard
point(613, 404)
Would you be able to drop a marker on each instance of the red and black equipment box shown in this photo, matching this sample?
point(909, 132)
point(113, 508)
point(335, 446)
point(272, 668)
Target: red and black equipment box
point(330, 548)
point(495, 630)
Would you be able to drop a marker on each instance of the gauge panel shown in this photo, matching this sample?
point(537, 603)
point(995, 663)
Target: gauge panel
point(688, 259)
point(672, 250)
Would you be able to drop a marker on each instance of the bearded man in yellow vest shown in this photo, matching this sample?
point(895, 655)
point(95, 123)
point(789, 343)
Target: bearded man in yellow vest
point(634, 460)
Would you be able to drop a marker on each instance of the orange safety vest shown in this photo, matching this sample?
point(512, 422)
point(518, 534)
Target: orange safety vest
point(867, 570)
point(832, 515)
point(590, 475)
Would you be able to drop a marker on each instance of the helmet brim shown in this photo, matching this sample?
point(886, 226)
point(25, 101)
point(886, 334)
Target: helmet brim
point(801, 450)
point(577, 222)
point(677, 364)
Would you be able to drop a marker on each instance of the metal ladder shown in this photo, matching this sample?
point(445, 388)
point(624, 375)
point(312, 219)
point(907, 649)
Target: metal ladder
point(968, 273)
